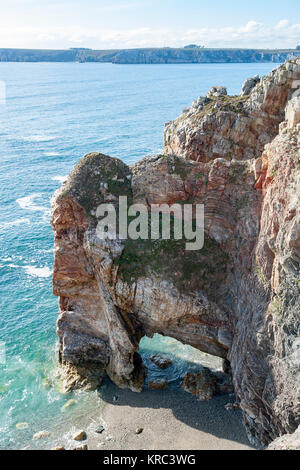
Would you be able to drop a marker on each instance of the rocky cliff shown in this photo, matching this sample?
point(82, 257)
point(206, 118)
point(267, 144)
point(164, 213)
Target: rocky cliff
point(237, 298)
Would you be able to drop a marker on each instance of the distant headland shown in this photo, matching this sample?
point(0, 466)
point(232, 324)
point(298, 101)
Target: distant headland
point(186, 55)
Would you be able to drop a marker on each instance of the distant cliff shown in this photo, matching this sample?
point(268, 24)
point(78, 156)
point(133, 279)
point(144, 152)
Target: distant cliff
point(149, 56)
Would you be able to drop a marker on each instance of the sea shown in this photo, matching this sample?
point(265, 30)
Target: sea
point(54, 114)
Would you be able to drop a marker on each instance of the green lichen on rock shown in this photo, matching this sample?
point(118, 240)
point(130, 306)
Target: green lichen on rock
point(242, 202)
point(233, 103)
point(169, 260)
point(238, 173)
point(180, 168)
point(177, 166)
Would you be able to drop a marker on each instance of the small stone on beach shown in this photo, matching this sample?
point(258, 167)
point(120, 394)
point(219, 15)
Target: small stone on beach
point(84, 447)
point(41, 435)
point(81, 436)
point(100, 430)
point(139, 431)
point(232, 406)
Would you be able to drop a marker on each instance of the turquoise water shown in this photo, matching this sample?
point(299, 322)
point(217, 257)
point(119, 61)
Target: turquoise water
point(55, 113)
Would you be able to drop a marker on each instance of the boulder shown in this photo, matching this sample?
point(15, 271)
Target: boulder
point(249, 84)
point(161, 361)
point(202, 384)
point(217, 91)
point(158, 384)
point(80, 436)
point(41, 435)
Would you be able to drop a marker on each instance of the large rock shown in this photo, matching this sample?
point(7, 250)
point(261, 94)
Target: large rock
point(161, 361)
point(237, 298)
point(249, 84)
point(217, 91)
point(201, 384)
point(205, 383)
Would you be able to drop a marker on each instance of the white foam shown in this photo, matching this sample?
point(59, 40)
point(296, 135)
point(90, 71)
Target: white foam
point(52, 154)
point(35, 271)
point(38, 272)
point(15, 223)
point(27, 203)
point(59, 178)
point(39, 138)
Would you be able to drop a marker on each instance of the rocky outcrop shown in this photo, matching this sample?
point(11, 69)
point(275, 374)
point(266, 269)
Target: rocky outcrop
point(287, 442)
point(238, 297)
point(249, 84)
point(233, 127)
point(162, 362)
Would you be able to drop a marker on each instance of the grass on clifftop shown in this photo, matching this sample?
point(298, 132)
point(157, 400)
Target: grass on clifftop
point(223, 103)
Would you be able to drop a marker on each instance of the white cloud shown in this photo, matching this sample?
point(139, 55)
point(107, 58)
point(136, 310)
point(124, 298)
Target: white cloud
point(252, 35)
point(282, 24)
point(251, 27)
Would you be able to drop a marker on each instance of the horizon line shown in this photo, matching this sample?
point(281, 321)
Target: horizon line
point(149, 47)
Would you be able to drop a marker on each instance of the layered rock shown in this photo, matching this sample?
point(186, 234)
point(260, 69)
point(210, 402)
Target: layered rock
point(238, 297)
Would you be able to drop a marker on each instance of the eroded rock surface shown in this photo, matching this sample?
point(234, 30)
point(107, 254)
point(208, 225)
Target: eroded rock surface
point(249, 84)
point(238, 297)
point(287, 442)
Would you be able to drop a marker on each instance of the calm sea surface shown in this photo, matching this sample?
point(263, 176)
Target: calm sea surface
point(54, 114)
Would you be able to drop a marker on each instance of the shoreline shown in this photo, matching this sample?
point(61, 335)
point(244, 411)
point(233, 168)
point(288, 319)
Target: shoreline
point(170, 420)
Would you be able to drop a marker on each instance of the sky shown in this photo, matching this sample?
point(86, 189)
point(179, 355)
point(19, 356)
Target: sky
point(108, 24)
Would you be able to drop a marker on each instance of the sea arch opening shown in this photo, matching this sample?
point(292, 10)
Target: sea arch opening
point(168, 361)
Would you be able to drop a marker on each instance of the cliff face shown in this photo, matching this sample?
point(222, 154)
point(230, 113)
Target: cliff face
point(238, 297)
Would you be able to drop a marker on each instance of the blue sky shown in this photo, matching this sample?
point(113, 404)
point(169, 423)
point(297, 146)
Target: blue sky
point(149, 23)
